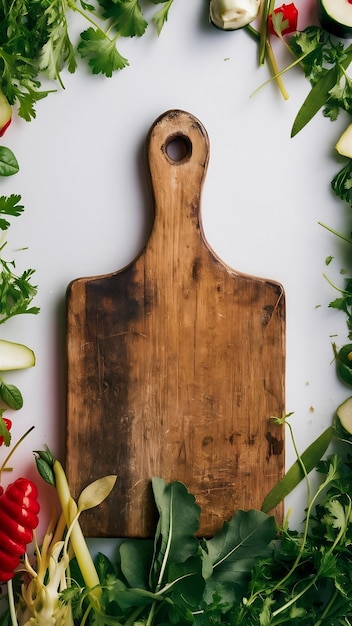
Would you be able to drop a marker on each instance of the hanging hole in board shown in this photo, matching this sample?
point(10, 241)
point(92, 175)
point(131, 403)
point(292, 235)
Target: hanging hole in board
point(178, 148)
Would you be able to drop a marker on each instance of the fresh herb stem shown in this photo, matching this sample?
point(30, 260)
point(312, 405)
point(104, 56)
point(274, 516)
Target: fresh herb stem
point(11, 601)
point(335, 232)
point(275, 69)
point(346, 293)
point(78, 542)
point(299, 459)
point(3, 467)
point(267, 9)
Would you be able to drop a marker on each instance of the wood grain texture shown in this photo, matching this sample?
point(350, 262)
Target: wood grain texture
point(175, 363)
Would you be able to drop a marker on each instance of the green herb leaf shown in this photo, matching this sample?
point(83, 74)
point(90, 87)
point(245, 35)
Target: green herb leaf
point(315, 100)
point(174, 538)
point(324, 66)
point(11, 395)
point(9, 205)
point(127, 17)
point(101, 51)
point(234, 550)
point(136, 558)
point(8, 162)
point(45, 463)
point(295, 474)
point(161, 16)
point(342, 183)
point(4, 432)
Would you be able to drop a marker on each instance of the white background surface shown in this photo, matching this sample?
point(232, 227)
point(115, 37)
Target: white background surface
point(82, 182)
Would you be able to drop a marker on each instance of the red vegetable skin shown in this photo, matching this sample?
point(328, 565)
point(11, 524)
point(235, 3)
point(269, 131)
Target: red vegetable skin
point(5, 127)
point(289, 14)
point(19, 510)
point(8, 422)
point(5, 113)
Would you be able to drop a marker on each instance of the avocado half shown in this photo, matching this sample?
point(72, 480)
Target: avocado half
point(335, 16)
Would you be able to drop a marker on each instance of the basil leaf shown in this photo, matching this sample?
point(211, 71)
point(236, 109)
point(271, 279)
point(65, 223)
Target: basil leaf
point(8, 162)
point(11, 395)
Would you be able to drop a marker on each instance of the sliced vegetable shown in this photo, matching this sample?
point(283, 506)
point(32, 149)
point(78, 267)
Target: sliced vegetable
point(289, 16)
point(233, 14)
point(19, 510)
point(15, 356)
point(344, 413)
point(336, 17)
point(344, 144)
point(5, 114)
point(344, 362)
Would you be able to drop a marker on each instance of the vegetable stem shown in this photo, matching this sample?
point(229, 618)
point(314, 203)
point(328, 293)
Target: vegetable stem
point(335, 232)
point(3, 467)
point(275, 69)
point(78, 542)
point(11, 601)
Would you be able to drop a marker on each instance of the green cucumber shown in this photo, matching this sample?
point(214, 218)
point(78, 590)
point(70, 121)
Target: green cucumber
point(344, 144)
point(15, 356)
point(344, 413)
point(335, 16)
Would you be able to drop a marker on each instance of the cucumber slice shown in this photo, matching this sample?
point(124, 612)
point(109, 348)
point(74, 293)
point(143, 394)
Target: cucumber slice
point(15, 356)
point(335, 16)
point(344, 413)
point(344, 144)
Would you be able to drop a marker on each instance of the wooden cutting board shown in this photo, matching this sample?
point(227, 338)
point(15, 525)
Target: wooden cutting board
point(176, 363)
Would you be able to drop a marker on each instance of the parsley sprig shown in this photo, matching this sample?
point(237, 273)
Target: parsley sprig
point(36, 41)
point(16, 290)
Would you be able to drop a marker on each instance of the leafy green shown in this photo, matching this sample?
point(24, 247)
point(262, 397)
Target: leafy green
point(36, 40)
point(8, 162)
point(324, 61)
point(101, 52)
point(11, 395)
point(9, 205)
point(161, 16)
point(342, 183)
point(176, 578)
point(16, 290)
point(4, 432)
point(127, 17)
point(295, 474)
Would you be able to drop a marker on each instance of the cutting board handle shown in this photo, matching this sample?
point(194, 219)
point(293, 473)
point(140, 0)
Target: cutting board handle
point(178, 153)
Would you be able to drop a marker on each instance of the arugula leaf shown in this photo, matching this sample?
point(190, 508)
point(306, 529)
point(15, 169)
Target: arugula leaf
point(136, 557)
point(101, 51)
point(233, 551)
point(174, 538)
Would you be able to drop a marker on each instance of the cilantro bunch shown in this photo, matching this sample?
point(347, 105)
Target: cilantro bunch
point(36, 40)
